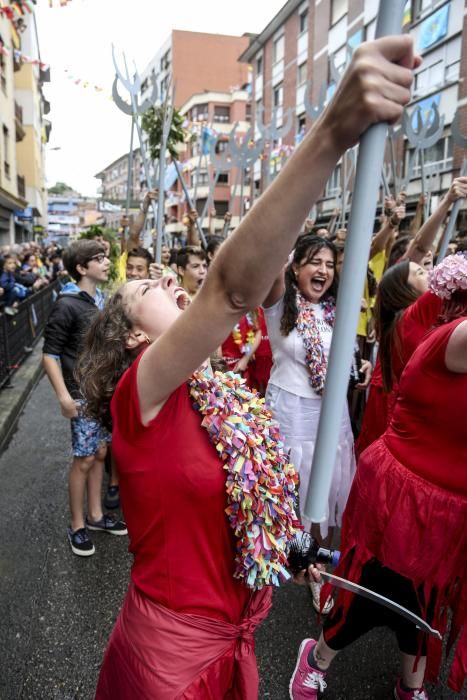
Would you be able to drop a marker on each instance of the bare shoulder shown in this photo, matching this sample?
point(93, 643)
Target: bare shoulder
point(456, 351)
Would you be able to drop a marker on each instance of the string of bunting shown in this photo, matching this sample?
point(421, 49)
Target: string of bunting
point(16, 8)
point(22, 57)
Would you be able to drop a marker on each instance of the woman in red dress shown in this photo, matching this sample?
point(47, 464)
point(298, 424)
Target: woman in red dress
point(205, 486)
point(401, 320)
point(405, 526)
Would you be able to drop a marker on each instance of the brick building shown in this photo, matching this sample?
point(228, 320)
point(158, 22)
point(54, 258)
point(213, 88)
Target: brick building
point(213, 113)
point(195, 62)
point(310, 42)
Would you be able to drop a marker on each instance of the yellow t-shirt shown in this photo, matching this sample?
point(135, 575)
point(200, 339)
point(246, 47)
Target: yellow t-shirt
point(377, 265)
point(122, 267)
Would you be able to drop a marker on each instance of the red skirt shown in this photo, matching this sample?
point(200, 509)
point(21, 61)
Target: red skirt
point(154, 652)
point(418, 530)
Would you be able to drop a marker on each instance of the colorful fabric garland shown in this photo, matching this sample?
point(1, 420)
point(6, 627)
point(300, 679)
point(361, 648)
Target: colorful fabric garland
point(308, 330)
point(261, 484)
point(245, 347)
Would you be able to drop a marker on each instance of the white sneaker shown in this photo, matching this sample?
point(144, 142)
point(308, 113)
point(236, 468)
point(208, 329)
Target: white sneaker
point(315, 589)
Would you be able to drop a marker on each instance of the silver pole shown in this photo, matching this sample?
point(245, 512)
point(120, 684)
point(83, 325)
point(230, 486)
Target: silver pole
point(130, 167)
point(452, 221)
point(189, 202)
point(367, 179)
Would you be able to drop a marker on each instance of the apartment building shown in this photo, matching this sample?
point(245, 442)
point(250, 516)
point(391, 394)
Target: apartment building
point(210, 117)
point(12, 184)
point(194, 62)
point(114, 180)
point(24, 132)
point(310, 43)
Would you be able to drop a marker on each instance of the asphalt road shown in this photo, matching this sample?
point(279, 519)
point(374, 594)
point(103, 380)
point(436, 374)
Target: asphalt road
point(57, 610)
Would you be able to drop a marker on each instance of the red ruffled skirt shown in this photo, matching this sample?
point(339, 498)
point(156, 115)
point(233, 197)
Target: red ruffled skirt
point(418, 530)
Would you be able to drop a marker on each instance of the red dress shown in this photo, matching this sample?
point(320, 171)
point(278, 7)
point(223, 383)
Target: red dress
point(262, 363)
point(408, 503)
point(414, 323)
point(172, 487)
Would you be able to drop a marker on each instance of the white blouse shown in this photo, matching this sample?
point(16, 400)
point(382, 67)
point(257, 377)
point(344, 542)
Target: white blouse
point(290, 370)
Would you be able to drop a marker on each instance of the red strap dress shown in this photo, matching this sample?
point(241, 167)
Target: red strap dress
point(172, 487)
point(408, 503)
point(413, 325)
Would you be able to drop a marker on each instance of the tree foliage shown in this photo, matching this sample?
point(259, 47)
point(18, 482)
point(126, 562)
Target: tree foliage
point(152, 123)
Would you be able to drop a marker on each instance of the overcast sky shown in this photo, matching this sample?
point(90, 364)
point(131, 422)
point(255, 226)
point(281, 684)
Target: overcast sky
point(86, 126)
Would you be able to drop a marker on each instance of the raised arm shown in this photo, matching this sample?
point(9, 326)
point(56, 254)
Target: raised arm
point(137, 224)
point(374, 89)
point(192, 236)
point(395, 212)
point(424, 239)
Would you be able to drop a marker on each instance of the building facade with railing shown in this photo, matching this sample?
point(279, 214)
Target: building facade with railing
point(24, 131)
point(308, 43)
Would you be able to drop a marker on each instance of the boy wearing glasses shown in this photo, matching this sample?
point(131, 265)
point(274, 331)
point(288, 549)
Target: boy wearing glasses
point(87, 263)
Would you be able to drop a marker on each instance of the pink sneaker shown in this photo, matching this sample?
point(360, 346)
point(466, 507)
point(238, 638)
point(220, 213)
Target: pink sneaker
point(418, 694)
point(307, 683)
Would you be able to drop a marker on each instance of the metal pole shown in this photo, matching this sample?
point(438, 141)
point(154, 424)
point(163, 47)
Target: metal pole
point(365, 197)
point(130, 167)
point(190, 203)
point(452, 221)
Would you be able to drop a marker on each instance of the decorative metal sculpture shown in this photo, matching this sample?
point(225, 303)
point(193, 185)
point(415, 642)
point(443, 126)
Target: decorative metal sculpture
point(133, 87)
point(314, 111)
point(424, 135)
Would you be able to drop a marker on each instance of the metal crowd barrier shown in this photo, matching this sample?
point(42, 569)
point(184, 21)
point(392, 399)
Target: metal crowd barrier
point(19, 333)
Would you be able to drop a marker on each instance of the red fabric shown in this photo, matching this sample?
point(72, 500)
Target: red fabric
point(408, 502)
point(157, 653)
point(172, 487)
point(232, 353)
point(413, 325)
point(261, 365)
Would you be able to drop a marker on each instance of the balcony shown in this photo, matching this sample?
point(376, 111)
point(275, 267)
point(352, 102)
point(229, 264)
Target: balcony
point(19, 130)
point(21, 182)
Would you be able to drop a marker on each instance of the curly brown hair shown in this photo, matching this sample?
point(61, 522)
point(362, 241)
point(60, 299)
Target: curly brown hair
point(307, 247)
point(104, 358)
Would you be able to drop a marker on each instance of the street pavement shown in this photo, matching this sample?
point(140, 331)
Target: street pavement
point(57, 610)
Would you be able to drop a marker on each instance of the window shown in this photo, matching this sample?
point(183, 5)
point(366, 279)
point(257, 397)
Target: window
point(278, 96)
point(222, 114)
point(202, 179)
point(223, 179)
point(221, 146)
point(248, 112)
point(339, 8)
point(278, 49)
point(333, 185)
point(259, 65)
point(199, 113)
point(221, 208)
point(301, 74)
point(2, 68)
point(421, 7)
point(6, 160)
point(165, 61)
point(301, 123)
point(452, 71)
point(303, 21)
point(439, 154)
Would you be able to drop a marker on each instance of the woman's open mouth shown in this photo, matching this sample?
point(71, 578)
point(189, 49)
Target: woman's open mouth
point(181, 298)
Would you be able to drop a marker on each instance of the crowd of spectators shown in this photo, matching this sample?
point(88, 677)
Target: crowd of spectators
point(24, 269)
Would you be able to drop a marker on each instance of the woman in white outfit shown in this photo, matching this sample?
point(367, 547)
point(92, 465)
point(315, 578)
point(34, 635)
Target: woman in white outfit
point(300, 312)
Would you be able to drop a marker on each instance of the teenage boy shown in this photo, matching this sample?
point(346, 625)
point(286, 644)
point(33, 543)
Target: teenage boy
point(192, 268)
point(87, 263)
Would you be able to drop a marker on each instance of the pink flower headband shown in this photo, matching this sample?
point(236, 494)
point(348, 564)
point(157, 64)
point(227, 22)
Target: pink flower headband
point(449, 276)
